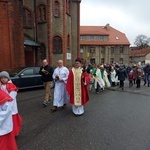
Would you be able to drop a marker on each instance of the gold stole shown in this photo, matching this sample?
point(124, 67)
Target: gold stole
point(77, 86)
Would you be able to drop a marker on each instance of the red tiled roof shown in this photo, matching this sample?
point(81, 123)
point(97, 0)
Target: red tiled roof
point(115, 37)
point(91, 30)
point(140, 53)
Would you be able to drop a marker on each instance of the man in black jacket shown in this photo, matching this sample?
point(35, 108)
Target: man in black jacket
point(46, 71)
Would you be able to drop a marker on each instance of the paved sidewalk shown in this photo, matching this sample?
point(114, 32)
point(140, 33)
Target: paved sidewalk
point(144, 90)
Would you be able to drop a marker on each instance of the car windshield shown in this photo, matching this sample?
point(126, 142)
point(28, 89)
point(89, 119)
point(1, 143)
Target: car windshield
point(14, 72)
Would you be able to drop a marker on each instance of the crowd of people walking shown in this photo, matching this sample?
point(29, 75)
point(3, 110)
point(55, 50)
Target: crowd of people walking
point(71, 86)
point(115, 74)
point(100, 76)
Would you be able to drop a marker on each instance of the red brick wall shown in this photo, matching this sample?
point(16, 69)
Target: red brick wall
point(4, 36)
point(19, 57)
point(11, 35)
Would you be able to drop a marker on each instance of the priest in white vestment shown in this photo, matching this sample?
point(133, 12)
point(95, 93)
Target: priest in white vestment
point(60, 77)
point(99, 82)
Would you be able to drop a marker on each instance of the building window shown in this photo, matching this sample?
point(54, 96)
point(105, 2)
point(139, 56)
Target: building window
point(81, 38)
point(121, 49)
point(92, 60)
point(81, 50)
point(57, 45)
point(102, 60)
point(112, 60)
point(42, 13)
point(27, 18)
point(103, 50)
point(102, 38)
point(56, 9)
point(68, 6)
point(121, 60)
point(68, 41)
point(91, 37)
point(92, 50)
point(43, 51)
point(112, 49)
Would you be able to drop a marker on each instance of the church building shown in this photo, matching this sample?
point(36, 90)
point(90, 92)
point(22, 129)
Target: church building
point(32, 30)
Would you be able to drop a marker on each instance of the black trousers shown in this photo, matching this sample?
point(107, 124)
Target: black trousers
point(98, 88)
point(121, 84)
point(134, 81)
point(113, 84)
point(130, 83)
point(138, 82)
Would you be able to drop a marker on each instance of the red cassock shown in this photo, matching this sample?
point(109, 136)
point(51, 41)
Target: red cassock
point(4, 97)
point(7, 141)
point(17, 120)
point(84, 87)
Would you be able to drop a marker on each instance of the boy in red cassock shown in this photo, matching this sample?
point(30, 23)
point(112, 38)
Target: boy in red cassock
point(7, 138)
point(9, 88)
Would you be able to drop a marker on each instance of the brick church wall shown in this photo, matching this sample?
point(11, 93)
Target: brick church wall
point(11, 35)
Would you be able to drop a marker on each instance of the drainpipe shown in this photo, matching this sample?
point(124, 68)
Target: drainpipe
point(35, 34)
point(35, 26)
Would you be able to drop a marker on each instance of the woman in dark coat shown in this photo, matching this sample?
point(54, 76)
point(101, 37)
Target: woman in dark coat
point(122, 75)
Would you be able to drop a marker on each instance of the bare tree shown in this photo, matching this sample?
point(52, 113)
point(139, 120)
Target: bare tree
point(142, 41)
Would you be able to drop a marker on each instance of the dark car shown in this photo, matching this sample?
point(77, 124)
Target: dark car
point(26, 77)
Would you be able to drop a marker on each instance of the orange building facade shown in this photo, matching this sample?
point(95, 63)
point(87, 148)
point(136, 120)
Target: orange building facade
point(103, 44)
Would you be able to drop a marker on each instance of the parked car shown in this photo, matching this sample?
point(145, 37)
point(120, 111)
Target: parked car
point(26, 77)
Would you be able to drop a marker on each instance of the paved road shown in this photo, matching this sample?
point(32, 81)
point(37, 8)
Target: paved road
point(113, 120)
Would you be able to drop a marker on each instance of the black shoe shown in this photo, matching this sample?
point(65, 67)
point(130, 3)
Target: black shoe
point(78, 115)
point(49, 101)
point(45, 104)
point(53, 109)
point(64, 106)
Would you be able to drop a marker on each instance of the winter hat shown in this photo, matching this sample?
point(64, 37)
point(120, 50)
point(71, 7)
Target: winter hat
point(79, 59)
point(4, 74)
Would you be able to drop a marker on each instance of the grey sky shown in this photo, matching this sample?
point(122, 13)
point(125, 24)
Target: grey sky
point(131, 17)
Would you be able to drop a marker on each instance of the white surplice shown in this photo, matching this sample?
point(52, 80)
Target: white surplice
point(113, 76)
point(78, 110)
point(6, 124)
point(13, 95)
point(107, 83)
point(100, 81)
point(60, 93)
